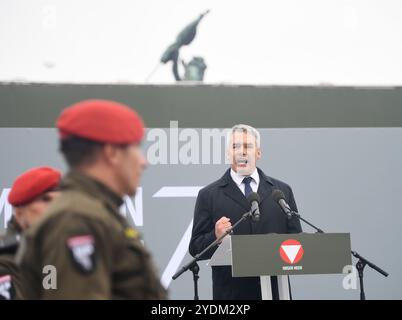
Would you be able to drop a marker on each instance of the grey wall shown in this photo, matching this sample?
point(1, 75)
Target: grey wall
point(344, 180)
point(209, 106)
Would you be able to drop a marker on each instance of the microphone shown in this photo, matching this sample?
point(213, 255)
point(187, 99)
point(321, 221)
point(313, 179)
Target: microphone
point(279, 198)
point(254, 200)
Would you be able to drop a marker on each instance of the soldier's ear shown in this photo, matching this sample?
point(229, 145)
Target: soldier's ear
point(110, 153)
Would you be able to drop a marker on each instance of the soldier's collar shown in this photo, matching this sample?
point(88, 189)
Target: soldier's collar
point(13, 227)
point(92, 186)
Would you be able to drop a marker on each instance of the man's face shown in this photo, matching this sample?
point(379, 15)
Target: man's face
point(29, 214)
point(243, 153)
point(130, 164)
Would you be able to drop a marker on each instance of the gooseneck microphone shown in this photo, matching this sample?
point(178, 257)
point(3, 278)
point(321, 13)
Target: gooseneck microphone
point(279, 198)
point(254, 200)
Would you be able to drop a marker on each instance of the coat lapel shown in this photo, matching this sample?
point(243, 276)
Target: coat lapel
point(265, 186)
point(232, 191)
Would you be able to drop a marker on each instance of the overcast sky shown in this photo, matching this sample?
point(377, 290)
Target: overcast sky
point(310, 42)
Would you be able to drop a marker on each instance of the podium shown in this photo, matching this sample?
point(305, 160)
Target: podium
point(281, 255)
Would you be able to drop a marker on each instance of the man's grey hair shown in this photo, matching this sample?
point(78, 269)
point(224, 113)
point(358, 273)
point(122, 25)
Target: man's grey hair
point(243, 128)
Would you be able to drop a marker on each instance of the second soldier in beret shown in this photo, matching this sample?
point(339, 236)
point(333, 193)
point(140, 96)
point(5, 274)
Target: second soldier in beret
point(30, 195)
point(90, 245)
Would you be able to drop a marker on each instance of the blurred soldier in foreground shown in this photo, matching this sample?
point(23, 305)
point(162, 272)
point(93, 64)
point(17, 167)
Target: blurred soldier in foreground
point(84, 238)
point(30, 195)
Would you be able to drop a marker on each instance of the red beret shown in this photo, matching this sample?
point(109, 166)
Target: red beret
point(32, 184)
point(102, 121)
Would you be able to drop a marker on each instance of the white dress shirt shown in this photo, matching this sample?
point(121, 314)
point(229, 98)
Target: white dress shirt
point(238, 179)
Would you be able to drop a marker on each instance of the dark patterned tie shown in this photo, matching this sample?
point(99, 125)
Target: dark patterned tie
point(247, 186)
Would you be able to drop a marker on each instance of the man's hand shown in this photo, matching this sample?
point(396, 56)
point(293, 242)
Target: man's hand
point(221, 226)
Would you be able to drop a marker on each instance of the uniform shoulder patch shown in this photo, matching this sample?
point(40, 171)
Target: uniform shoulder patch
point(82, 252)
point(7, 291)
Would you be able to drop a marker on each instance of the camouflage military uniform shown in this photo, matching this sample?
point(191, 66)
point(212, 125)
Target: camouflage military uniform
point(9, 275)
point(97, 255)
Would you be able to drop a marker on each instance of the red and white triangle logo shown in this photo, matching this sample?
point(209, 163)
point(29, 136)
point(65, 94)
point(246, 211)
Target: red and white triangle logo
point(291, 251)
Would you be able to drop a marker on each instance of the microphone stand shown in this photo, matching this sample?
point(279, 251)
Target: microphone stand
point(361, 263)
point(297, 215)
point(193, 266)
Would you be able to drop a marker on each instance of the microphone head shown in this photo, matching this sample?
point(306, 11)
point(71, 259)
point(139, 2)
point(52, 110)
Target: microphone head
point(253, 197)
point(277, 195)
